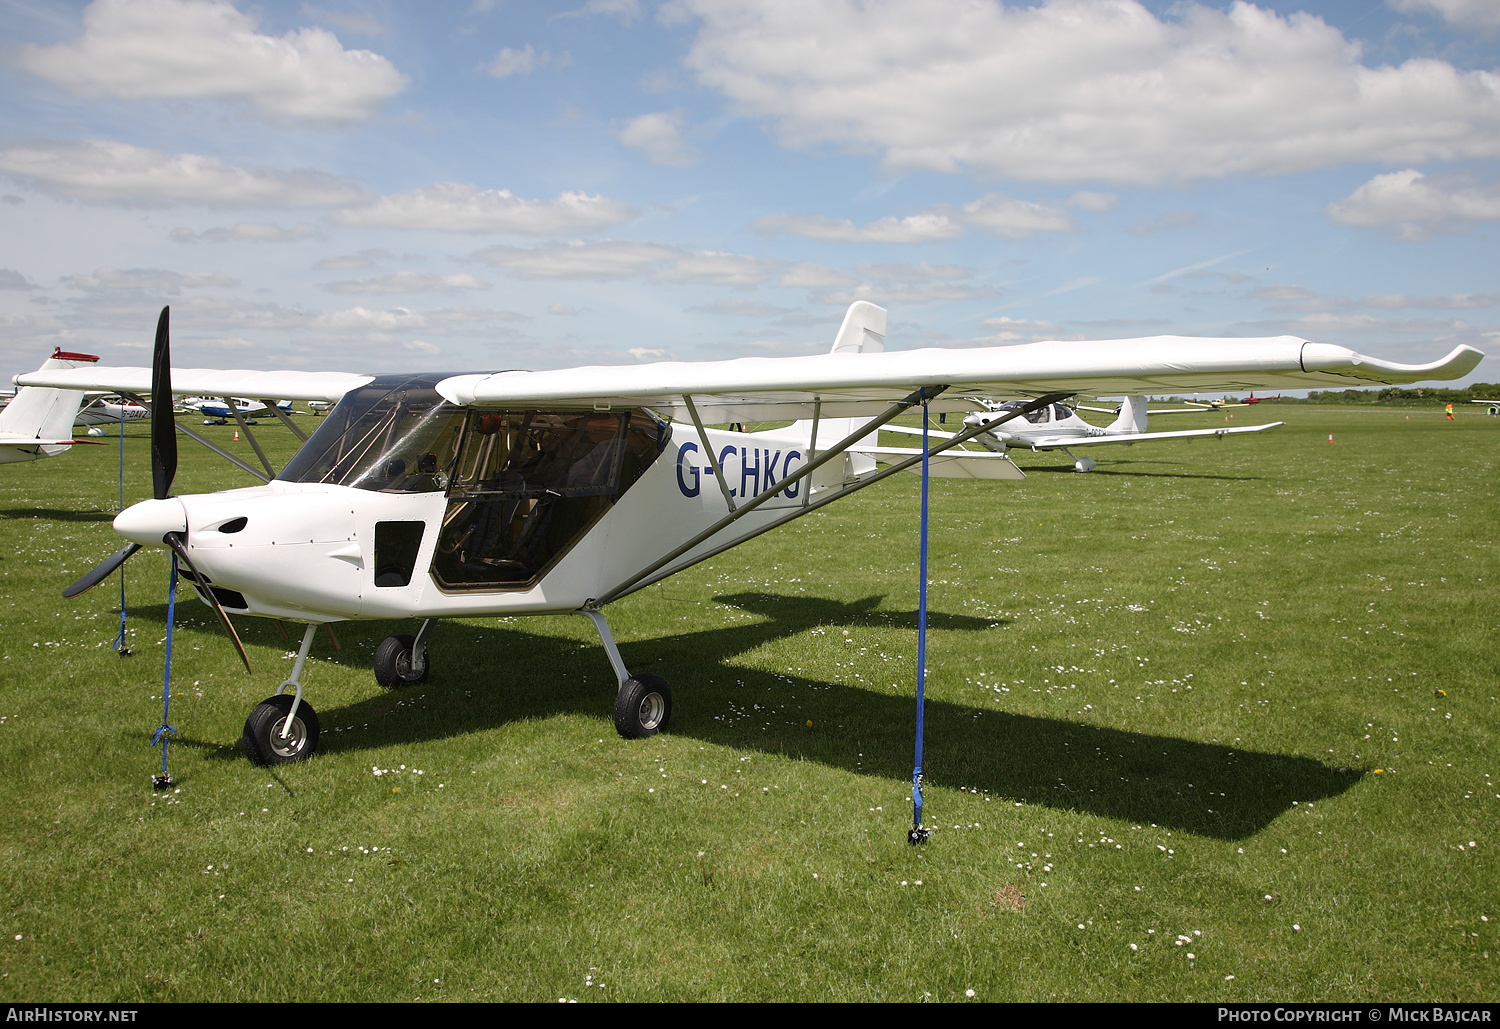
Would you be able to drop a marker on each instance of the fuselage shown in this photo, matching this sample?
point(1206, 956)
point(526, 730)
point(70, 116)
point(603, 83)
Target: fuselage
point(1047, 427)
point(415, 507)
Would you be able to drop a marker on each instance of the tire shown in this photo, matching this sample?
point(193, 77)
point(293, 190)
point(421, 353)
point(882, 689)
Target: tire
point(393, 663)
point(262, 738)
point(643, 706)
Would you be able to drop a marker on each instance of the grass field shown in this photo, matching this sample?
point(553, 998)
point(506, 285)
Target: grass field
point(1215, 722)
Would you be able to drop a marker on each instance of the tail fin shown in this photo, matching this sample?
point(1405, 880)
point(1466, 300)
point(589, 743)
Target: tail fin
point(42, 413)
point(863, 331)
point(1132, 418)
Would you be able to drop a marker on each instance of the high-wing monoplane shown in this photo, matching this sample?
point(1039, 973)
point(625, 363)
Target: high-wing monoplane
point(430, 496)
point(38, 421)
point(1059, 427)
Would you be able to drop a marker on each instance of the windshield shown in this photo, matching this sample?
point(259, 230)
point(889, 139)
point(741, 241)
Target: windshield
point(394, 434)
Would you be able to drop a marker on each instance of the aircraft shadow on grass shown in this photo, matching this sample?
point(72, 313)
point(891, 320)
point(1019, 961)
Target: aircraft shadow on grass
point(47, 514)
point(1044, 469)
point(1209, 789)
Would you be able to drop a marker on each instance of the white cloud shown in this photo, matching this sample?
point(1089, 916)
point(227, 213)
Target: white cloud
point(1477, 14)
point(462, 207)
point(921, 272)
point(1007, 330)
point(923, 227)
point(1165, 222)
point(1084, 90)
point(206, 48)
point(1456, 301)
point(1098, 203)
point(368, 321)
point(996, 213)
point(913, 293)
point(105, 171)
point(607, 259)
point(628, 11)
point(1420, 205)
point(1016, 219)
point(718, 269)
point(807, 275)
point(362, 24)
point(11, 279)
point(409, 282)
point(659, 137)
point(257, 232)
point(517, 62)
point(364, 259)
point(155, 279)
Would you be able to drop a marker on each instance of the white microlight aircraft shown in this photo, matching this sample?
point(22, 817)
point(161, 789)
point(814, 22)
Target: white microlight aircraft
point(435, 496)
point(38, 421)
point(1058, 427)
point(106, 410)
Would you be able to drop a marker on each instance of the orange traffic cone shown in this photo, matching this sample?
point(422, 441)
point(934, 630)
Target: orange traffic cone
point(1330, 437)
point(237, 435)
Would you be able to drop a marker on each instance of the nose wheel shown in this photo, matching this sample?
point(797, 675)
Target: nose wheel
point(269, 740)
point(284, 728)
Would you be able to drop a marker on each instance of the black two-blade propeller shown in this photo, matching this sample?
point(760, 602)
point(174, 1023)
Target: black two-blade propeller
point(163, 471)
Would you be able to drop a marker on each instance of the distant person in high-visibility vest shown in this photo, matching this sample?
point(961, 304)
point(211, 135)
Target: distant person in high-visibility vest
point(1450, 412)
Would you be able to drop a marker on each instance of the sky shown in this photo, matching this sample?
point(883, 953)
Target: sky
point(379, 187)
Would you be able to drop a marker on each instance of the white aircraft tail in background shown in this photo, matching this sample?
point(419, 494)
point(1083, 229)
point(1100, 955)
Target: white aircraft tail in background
point(38, 422)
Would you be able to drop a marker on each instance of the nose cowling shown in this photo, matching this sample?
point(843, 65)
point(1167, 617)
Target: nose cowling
point(147, 522)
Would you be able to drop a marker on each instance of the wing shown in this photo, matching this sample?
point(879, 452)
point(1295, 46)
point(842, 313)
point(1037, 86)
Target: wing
point(209, 382)
point(1059, 442)
point(854, 384)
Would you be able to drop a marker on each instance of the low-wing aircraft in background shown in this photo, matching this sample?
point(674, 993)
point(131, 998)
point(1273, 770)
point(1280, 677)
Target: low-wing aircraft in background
point(1059, 427)
point(217, 411)
point(432, 496)
point(38, 420)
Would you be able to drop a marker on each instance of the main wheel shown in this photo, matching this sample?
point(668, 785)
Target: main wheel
point(393, 665)
point(262, 738)
point(643, 706)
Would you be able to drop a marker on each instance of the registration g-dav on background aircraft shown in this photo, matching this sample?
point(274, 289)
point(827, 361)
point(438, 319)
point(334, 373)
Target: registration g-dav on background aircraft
point(437, 496)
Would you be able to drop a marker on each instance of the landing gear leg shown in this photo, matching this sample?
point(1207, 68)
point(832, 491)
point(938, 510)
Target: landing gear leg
point(643, 703)
point(282, 728)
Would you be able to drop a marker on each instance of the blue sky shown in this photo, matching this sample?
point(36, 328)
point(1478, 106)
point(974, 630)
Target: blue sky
point(377, 187)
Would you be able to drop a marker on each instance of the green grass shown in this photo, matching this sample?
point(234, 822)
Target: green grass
point(1204, 674)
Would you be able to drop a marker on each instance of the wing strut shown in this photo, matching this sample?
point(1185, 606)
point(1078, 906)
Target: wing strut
point(708, 452)
point(922, 395)
point(190, 434)
point(827, 497)
point(239, 419)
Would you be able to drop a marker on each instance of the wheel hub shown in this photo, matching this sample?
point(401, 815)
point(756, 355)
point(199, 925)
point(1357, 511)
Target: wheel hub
point(653, 709)
point(292, 745)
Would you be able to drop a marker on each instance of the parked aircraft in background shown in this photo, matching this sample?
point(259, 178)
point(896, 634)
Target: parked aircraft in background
point(218, 411)
point(433, 496)
point(109, 410)
point(1058, 427)
point(38, 420)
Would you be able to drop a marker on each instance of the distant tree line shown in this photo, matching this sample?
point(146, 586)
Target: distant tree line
point(1388, 396)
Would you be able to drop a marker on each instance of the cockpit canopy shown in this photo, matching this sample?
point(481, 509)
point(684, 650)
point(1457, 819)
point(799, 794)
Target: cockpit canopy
point(1042, 415)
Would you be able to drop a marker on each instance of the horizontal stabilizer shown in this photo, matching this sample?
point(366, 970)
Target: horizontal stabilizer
point(1058, 442)
point(951, 464)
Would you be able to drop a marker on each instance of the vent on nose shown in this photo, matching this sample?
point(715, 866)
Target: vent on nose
point(234, 525)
